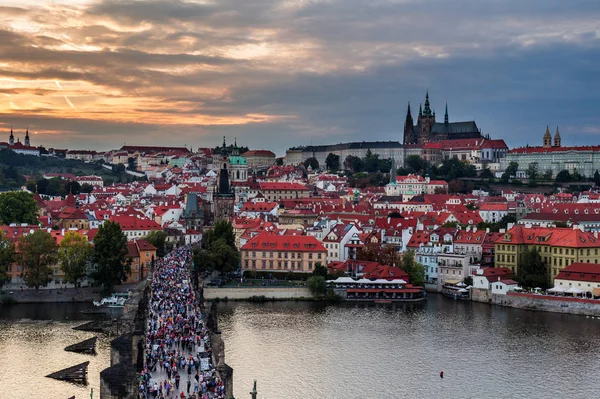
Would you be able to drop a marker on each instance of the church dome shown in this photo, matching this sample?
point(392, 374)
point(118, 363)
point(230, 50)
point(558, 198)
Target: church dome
point(237, 160)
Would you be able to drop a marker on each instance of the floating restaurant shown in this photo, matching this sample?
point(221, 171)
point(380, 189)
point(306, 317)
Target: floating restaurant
point(378, 290)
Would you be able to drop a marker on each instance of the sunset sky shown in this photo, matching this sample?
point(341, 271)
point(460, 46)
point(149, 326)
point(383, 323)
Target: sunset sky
point(96, 74)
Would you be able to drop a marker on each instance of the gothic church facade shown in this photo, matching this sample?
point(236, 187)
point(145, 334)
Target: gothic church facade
point(428, 129)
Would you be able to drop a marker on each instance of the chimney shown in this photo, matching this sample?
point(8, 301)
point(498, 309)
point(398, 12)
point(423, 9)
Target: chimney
point(62, 232)
point(474, 229)
point(595, 234)
point(487, 230)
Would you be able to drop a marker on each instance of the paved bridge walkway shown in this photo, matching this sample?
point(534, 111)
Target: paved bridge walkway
point(178, 361)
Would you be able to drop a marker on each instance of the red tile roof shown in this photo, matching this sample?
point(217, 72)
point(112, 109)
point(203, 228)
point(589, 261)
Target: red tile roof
point(270, 242)
point(277, 186)
point(580, 272)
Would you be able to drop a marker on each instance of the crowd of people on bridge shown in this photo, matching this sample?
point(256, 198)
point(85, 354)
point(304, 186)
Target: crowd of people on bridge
point(178, 360)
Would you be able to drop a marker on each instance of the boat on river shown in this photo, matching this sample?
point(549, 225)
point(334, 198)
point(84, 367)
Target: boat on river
point(116, 300)
point(456, 292)
point(376, 290)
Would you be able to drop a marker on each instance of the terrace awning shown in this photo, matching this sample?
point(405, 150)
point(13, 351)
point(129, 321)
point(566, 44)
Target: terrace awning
point(574, 290)
point(557, 289)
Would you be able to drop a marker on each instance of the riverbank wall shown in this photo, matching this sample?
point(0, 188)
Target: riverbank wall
point(49, 296)
point(546, 303)
point(224, 371)
point(120, 380)
point(246, 293)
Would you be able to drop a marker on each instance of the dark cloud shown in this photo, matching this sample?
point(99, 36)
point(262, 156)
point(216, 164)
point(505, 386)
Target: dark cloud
point(331, 70)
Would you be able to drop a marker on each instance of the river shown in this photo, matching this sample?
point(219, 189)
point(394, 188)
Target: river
point(32, 342)
point(306, 350)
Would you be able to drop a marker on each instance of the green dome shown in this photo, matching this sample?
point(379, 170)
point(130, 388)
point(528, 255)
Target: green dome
point(237, 160)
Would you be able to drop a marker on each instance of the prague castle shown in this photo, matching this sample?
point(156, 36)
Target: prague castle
point(428, 130)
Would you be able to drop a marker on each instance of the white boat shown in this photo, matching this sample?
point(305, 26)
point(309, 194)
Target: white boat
point(111, 302)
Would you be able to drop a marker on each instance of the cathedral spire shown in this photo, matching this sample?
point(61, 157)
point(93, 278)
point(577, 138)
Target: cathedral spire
point(224, 148)
point(557, 138)
point(27, 142)
point(11, 139)
point(446, 115)
point(408, 115)
point(427, 110)
point(420, 110)
point(547, 138)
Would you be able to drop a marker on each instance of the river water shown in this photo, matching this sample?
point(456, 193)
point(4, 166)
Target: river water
point(32, 342)
point(306, 350)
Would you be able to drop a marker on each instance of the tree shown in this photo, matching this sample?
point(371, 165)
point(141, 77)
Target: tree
point(223, 257)
point(353, 164)
point(132, 163)
point(486, 174)
point(312, 162)
point(371, 162)
point(319, 270)
point(415, 270)
point(533, 272)
point(468, 280)
point(119, 168)
point(38, 252)
point(158, 239)
point(533, 173)
point(74, 253)
point(72, 187)
point(279, 161)
point(332, 162)
point(217, 256)
point(18, 207)
point(87, 188)
point(597, 178)
point(7, 255)
point(110, 255)
point(317, 286)
point(563, 176)
point(384, 255)
point(415, 162)
point(510, 171)
point(218, 250)
point(548, 175)
point(224, 230)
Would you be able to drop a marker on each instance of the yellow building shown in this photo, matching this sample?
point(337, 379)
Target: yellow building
point(558, 247)
point(283, 253)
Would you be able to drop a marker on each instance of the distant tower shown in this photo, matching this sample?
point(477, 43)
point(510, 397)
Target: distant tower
point(547, 138)
point(27, 142)
point(557, 138)
point(224, 196)
point(425, 122)
point(409, 136)
point(11, 138)
point(446, 116)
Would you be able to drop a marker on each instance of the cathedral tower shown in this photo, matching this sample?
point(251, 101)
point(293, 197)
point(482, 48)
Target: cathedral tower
point(557, 138)
point(224, 196)
point(425, 122)
point(547, 138)
point(27, 142)
point(409, 134)
point(11, 138)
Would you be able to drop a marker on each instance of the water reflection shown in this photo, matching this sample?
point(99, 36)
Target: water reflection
point(308, 350)
point(32, 342)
